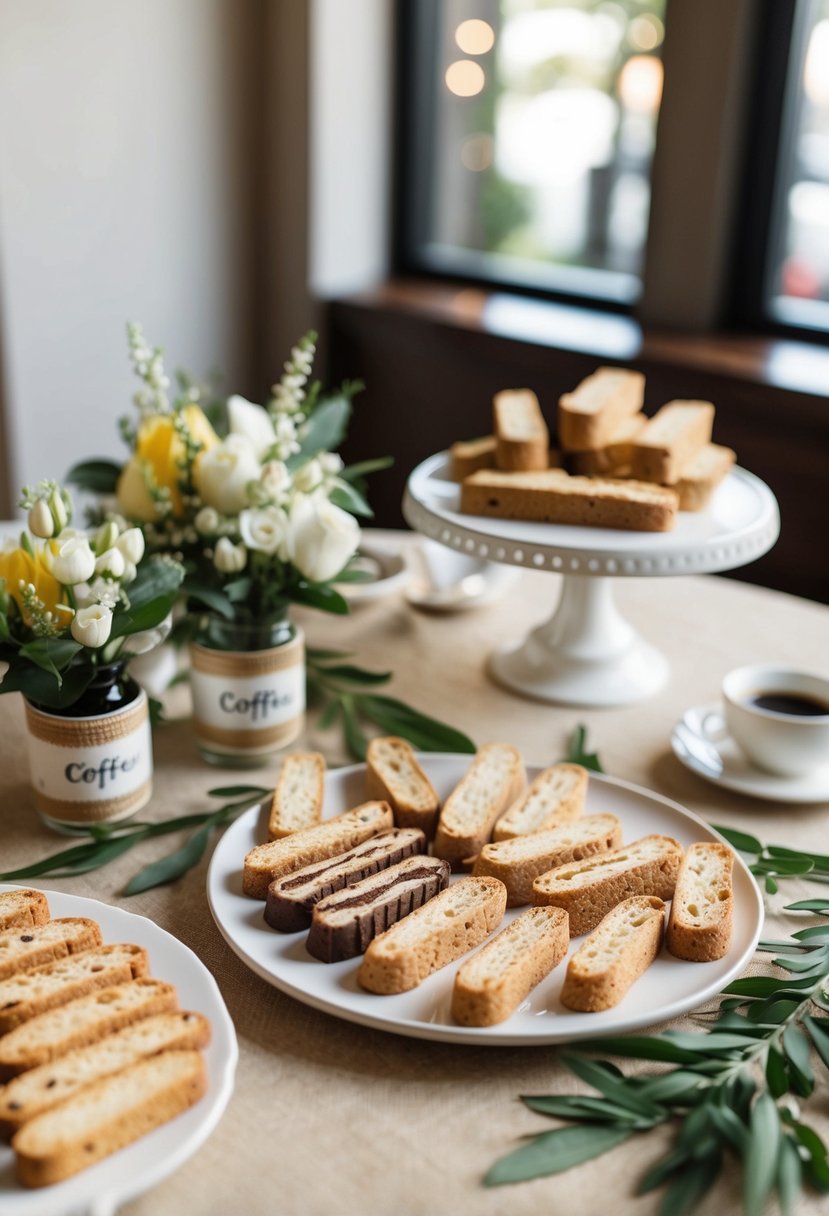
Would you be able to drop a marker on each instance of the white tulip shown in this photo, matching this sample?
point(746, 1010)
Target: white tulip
point(91, 626)
point(253, 422)
point(207, 521)
point(265, 530)
point(229, 558)
point(131, 545)
point(106, 537)
point(148, 639)
point(41, 523)
point(223, 473)
point(73, 560)
point(111, 563)
point(322, 538)
point(58, 507)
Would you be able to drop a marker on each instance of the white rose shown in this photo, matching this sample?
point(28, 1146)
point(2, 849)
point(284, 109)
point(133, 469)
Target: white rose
point(253, 422)
point(223, 473)
point(111, 562)
point(131, 545)
point(309, 477)
point(91, 626)
point(275, 479)
point(72, 560)
point(229, 558)
point(322, 538)
point(41, 523)
point(265, 530)
point(207, 521)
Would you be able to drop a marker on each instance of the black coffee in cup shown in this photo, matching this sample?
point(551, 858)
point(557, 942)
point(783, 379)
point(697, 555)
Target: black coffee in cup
point(795, 704)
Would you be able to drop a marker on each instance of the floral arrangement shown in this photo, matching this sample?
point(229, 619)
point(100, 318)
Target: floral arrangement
point(74, 600)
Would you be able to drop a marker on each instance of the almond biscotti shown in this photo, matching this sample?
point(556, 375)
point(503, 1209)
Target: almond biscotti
point(36, 945)
point(590, 415)
point(615, 954)
point(20, 909)
point(522, 440)
point(702, 909)
point(520, 861)
point(491, 985)
point(615, 456)
point(468, 455)
point(671, 440)
point(701, 477)
point(108, 1115)
point(455, 921)
point(266, 862)
point(556, 796)
point(393, 774)
point(29, 993)
point(297, 799)
point(587, 890)
point(493, 781)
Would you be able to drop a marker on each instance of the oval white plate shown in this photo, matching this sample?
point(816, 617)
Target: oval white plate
point(102, 1188)
point(670, 987)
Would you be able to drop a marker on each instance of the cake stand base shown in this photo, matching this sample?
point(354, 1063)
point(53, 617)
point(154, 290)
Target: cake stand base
point(586, 654)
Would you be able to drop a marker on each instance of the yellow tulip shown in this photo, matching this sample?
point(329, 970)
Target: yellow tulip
point(159, 453)
point(17, 565)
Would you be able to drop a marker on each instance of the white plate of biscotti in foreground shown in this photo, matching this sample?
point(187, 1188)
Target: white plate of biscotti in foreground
point(476, 899)
point(117, 1054)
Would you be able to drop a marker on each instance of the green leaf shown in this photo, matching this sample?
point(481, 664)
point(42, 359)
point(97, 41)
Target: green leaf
point(731, 1126)
point(554, 1152)
point(427, 734)
point(171, 867)
point(581, 1108)
point(238, 590)
point(762, 1156)
point(796, 1047)
point(354, 735)
point(818, 1029)
point(789, 1176)
point(97, 476)
point(216, 601)
point(766, 985)
point(661, 1170)
point(324, 432)
point(350, 499)
point(577, 751)
point(57, 861)
point(362, 468)
point(51, 654)
point(356, 675)
point(815, 933)
point(817, 1167)
point(642, 1047)
point(617, 1089)
point(317, 595)
point(771, 886)
point(808, 905)
point(777, 1078)
point(708, 1043)
point(42, 687)
point(314, 655)
point(740, 840)
point(238, 791)
point(690, 1185)
point(783, 865)
point(329, 715)
point(675, 1087)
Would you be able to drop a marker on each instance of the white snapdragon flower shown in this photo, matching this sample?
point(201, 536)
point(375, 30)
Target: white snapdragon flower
point(265, 530)
point(286, 437)
point(91, 626)
point(253, 422)
point(229, 558)
point(72, 559)
point(40, 520)
point(131, 545)
point(223, 473)
point(275, 480)
point(309, 477)
point(207, 521)
point(111, 563)
point(322, 538)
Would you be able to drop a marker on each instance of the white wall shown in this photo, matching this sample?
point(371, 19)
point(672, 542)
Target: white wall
point(125, 193)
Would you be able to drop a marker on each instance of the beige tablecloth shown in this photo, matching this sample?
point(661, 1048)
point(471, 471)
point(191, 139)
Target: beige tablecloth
point(329, 1117)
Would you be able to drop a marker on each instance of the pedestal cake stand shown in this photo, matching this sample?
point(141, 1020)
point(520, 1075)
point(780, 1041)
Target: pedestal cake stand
point(586, 653)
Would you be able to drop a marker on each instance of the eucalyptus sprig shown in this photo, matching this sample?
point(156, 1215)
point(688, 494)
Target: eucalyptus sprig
point(772, 862)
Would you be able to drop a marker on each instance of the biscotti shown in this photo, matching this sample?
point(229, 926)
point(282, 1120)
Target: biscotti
point(614, 457)
point(491, 985)
point(701, 477)
point(553, 497)
point(699, 927)
point(520, 861)
point(588, 889)
point(615, 954)
point(393, 774)
point(43, 1087)
point(590, 415)
point(343, 924)
point(493, 781)
point(266, 862)
point(556, 796)
point(29, 993)
point(297, 799)
point(82, 1021)
point(23, 908)
point(455, 921)
point(37, 945)
point(290, 900)
point(670, 441)
point(468, 455)
point(522, 440)
point(107, 1116)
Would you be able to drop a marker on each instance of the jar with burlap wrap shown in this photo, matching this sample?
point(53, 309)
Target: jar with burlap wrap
point(248, 685)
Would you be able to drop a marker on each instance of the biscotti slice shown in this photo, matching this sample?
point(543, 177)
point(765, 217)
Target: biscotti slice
point(671, 440)
point(494, 780)
point(290, 900)
point(699, 927)
point(520, 861)
point(554, 498)
point(701, 477)
point(556, 796)
point(82, 1021)
point(470, 454)
point(43, 1087)
point(297, 799)
point(37, 945)
point(29, 993)
point(615, 954)
point(522, 440)
point(614, 456)
point(107, 1116)
point(393, 773)
point(23, 908)
point(592, 413)
point(491, 985)
point(266, 862)
point(343, 924)
point(455, 921)
point(588, 889)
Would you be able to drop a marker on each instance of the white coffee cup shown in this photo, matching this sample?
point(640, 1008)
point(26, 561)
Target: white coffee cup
point(774, 715)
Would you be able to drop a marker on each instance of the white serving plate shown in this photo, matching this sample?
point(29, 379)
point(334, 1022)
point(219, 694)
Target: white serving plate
point(670, 987)
point(103, 1188)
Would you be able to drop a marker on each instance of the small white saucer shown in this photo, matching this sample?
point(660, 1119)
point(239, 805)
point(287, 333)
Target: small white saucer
point(701, 742)
point(387, 573)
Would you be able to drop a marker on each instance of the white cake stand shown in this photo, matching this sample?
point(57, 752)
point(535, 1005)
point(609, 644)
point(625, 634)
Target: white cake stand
point(586, 653)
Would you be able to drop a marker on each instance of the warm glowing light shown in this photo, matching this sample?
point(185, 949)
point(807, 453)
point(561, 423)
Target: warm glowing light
point(640, 84)
point(476, 153)
point(816, 67)
point(646, 32)
point(475, 37)
point(465, 78)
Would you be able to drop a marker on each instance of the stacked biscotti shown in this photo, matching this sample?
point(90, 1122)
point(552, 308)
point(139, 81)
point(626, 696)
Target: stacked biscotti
point(94, 1052)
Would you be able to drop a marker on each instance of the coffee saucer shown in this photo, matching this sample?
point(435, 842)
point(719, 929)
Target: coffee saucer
point(701, 742)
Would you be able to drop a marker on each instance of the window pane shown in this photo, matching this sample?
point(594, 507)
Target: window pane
point(540, 121)
point(798, 287)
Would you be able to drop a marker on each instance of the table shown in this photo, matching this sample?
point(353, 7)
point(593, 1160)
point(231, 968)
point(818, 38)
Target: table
point(331, 1118)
